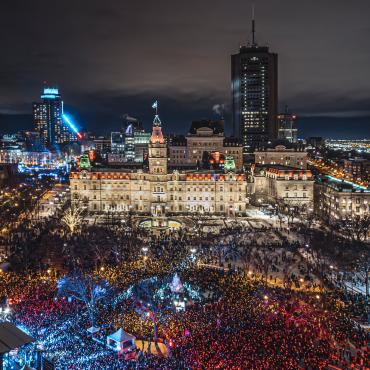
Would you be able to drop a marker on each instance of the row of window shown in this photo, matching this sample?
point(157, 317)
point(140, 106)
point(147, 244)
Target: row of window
point(125, 208)
point(295, 187)
point(294, 195)
point(161, 189)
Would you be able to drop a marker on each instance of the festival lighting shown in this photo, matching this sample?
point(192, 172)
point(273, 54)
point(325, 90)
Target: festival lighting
point(71, 125)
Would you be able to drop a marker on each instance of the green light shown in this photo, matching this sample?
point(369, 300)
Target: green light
point(229, 163)
point(85, 162)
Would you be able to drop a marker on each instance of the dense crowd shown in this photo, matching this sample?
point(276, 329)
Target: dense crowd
point(244, 324)
point(262, 306)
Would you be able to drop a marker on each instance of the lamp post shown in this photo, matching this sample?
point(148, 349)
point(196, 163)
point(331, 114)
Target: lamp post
point(4, 313)
point(331, 273)
point(145, 251)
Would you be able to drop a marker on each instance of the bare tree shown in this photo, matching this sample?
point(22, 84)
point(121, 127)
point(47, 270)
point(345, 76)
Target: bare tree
point(72, 218)
point(85, 288)
point(356, 228)
point(150, 305)
point(306, 213)
point(246, 255)
point(281, 210)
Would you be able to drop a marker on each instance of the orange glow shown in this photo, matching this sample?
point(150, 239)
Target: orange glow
point(92, 155)
point(157, 135)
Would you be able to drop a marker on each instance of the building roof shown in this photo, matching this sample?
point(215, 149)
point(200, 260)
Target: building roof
point(276, 144)
point(121, 336)
point(12, 337)
point(281, 167)
point(341, 185)
point(253, 49)
point(216, 126)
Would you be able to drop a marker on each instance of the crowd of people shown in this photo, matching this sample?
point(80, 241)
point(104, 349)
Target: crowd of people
point(244, 324)
point(263, 305)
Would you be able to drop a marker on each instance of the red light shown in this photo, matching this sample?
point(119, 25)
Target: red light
point(79, 135)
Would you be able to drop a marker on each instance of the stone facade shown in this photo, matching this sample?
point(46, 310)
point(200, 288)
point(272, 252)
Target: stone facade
point(205, 136)
point(159, 192)
point(279, 183)
point(335, 200)
point(146, 193)
point(281, 155)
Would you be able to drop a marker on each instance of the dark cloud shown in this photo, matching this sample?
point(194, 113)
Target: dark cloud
point(114, 57)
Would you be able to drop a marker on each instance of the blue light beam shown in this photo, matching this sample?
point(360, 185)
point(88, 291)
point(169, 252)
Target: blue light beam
point(69, 122)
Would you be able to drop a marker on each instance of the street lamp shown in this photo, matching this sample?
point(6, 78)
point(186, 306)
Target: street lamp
point(145, 251)
point(4, 313)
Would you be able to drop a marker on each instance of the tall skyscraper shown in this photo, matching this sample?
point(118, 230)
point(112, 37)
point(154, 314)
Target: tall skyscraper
point(287, 126)
point(117, 142)
point(48, 119)
point(254, 84)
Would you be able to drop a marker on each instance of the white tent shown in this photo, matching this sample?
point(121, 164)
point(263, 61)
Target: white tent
point(120, 339)
point(93, 330)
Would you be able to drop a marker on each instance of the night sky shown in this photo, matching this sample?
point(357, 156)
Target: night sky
point(114, 57)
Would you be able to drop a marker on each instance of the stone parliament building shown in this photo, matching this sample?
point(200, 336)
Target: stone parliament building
point(158, 191)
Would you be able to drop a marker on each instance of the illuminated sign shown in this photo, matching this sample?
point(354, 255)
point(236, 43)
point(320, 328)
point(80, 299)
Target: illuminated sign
point(51, 91)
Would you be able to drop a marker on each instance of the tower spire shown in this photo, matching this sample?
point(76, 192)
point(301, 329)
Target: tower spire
point(253, 28)
point(156, 121)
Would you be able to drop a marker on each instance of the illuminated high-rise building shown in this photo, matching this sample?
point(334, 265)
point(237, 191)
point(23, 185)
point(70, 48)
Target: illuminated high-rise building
point(48, 119)
point(254, 84)
point(117, 142)
point(287, 126)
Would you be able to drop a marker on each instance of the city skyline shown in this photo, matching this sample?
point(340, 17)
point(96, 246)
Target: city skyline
point(184, 185)
point(187, 69)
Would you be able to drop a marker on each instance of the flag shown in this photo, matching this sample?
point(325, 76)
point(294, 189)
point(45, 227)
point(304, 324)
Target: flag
point(155, 105)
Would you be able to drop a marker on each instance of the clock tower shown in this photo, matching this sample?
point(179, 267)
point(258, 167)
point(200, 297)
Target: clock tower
point(157, 149)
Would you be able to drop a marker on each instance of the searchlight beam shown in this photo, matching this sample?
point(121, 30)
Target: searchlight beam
point(71, 125)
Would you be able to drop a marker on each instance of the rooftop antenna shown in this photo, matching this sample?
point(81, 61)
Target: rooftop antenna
point(253, 28)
